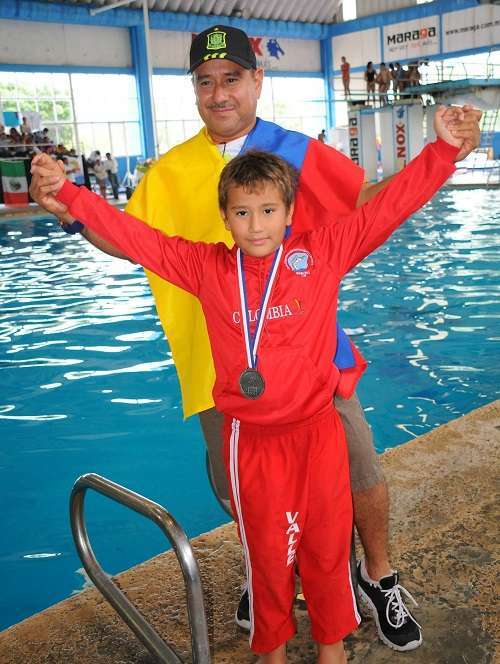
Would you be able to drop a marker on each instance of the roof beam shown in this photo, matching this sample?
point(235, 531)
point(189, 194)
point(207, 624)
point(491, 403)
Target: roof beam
point(126, 18)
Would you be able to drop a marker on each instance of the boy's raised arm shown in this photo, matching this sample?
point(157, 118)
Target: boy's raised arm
point(176, 260)
point(361, 232)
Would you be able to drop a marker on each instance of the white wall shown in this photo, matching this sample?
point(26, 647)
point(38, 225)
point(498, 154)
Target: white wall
point(367, 7)
point(33, 43)
point(357, 47)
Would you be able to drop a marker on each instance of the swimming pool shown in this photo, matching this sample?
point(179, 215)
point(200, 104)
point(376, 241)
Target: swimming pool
point(87, 383)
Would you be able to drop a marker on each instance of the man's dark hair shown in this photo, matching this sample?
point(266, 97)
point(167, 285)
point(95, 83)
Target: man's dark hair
point(254, 169)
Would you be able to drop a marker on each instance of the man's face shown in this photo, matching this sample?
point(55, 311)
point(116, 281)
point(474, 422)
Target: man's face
point(226, 96)
point(257, 219)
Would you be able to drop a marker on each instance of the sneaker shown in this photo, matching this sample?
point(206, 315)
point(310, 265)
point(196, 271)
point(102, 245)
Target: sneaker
point(396, 626)
point(242, 616)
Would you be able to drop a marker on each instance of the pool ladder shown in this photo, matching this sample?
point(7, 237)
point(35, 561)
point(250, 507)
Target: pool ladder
point(135, 620)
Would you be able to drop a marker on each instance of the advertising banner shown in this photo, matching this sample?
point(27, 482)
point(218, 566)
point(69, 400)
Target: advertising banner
point(368, 144)
point(387, 137)
point(170, 50)
point(408, 133)
point(411, 39)
point(355, 136)
point(471, 28)
point(362, 141)
point(400, 131)
point(415, 130)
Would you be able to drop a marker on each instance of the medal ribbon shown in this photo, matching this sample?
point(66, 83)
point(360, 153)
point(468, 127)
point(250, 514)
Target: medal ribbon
point(251, 343)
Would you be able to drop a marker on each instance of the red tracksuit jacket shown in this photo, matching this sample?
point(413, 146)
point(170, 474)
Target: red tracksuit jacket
point(298, 340)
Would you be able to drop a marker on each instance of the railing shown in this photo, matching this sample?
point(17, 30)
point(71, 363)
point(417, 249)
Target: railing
point(180, 543)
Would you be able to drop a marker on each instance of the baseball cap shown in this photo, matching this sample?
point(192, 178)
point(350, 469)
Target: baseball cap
point(222, 42)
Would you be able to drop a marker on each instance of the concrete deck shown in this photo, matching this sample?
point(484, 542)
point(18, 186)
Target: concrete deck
point(444, 524)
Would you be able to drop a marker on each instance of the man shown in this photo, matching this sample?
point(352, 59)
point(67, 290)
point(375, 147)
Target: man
point(111, 166)
point(227, 84)
point(93, 157)
point(383, 80)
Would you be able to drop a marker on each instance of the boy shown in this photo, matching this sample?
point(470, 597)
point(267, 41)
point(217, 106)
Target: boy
point(270, 305)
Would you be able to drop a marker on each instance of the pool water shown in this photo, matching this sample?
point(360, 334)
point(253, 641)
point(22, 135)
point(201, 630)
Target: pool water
point(88, 384)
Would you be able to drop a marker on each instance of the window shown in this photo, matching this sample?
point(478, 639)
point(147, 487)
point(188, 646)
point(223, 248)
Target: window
point(176, 116)
point(102, 114)
point(295, 103)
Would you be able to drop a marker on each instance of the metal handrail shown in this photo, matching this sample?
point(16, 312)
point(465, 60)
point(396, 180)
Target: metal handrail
point(183, 550)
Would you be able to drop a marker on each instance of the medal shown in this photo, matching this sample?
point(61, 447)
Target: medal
point(251, 381)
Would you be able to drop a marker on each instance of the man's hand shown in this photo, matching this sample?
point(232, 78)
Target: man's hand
point(38, 190)
point(463, 124)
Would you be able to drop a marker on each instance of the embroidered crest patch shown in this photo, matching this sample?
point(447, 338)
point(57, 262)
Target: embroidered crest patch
point(299, 261)
point(216, 40)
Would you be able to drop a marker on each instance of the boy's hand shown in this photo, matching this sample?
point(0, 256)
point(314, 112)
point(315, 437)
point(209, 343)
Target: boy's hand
point(444, 120)
point(467, 128)
point(48, 178)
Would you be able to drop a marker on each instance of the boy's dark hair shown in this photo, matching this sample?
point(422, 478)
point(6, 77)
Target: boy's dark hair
point(252, 170)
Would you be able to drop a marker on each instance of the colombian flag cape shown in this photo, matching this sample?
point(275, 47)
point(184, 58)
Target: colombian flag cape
point(179, 196)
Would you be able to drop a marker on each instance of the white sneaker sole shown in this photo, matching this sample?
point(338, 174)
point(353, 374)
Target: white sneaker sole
point(412, 645)
point(242, 623)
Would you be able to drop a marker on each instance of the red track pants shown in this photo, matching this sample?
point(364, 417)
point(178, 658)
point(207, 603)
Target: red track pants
point(291, 495)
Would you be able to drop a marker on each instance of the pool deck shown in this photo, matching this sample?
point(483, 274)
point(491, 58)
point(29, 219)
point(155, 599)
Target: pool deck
point(444, 524)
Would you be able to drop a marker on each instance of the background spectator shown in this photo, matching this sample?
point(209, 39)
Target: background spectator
point(413, 77)
point(345, 68)
point(25, 128)
point(111, 166)
point(100, 175)
point(370, 74)
point(399, 80)
point(93, 157)
point(70, 169)
point(383, 81)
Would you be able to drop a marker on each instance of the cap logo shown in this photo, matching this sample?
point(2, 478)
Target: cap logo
point(216, 40)
point(213, 56)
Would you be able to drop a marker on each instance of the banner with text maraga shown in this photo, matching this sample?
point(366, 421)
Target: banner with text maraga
point(14, 189)
point(411, 39)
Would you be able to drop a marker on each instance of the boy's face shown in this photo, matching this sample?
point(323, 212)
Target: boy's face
point(257, 219)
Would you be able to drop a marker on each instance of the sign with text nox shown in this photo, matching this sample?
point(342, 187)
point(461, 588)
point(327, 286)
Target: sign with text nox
point(411, 39)
point(408, 137)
